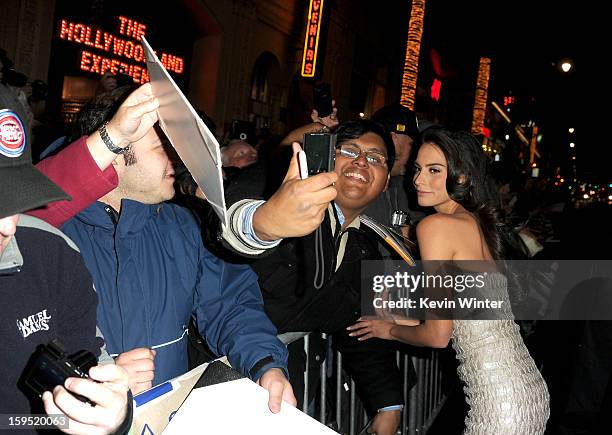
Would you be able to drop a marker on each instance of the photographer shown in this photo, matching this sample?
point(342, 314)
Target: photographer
point(46, 293)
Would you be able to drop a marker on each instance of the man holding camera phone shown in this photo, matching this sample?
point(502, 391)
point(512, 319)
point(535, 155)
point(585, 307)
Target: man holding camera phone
point(46, 292)
point(307, 244)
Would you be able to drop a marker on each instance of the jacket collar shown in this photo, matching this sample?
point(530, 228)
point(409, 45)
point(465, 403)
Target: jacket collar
point(11, 259)
point(133, 217)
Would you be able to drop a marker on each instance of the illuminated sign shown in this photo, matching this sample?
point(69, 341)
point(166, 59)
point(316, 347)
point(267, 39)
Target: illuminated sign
point(508, 101)
point(480, 102)
point(118, 52)
point(311, 44)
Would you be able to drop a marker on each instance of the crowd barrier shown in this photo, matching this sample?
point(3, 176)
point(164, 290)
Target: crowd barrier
point(347, 416)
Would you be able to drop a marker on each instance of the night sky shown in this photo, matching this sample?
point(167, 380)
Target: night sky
point(526, 40)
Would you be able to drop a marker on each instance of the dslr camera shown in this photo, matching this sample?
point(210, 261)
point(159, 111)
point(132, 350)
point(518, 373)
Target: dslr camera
point(52, 365)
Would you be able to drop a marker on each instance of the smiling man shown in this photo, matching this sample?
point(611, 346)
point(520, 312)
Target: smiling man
point(307, 254)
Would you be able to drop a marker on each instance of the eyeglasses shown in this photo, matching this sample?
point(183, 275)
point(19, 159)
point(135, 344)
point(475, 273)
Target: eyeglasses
point(374, 158)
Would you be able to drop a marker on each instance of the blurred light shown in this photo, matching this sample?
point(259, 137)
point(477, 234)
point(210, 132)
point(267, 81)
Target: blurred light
point(585, 196)
point(533, 165)
point(361, 114)
point(562, 180)
point(501, 112)
point(572, 144)
point(507, 136)
point(480, 101)
point(497, 157)
point(574, 158)
point(571, 130)
point(556, 183)
point(539, 138)
point(411, 59)
point(592, 192)
point(610, 197)
point(566, 66)
point(435, 89)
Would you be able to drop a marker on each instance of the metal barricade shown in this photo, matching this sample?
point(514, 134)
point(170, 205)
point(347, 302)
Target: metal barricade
point(346, 414)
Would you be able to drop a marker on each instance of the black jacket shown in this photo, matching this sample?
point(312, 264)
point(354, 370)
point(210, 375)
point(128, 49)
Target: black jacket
point(287, 276)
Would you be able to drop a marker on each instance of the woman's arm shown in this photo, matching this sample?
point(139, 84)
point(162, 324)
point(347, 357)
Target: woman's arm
point(433, 236)
point(431, 333)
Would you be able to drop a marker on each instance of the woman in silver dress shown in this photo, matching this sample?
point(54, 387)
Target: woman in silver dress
point(503, 386)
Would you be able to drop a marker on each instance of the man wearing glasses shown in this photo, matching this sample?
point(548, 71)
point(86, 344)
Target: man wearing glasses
point(308, 243)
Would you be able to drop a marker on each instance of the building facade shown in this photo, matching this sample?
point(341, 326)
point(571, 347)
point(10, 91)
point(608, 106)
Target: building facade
point(240, 59)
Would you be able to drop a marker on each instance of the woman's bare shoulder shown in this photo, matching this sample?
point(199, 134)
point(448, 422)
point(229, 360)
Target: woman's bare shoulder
point(440, 222)
point(447, 227)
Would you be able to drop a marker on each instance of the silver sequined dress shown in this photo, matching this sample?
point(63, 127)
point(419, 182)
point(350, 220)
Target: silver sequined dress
point(504, 389)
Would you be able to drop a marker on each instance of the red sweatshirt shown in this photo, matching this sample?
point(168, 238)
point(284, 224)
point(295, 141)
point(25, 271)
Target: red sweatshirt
point(77, 173)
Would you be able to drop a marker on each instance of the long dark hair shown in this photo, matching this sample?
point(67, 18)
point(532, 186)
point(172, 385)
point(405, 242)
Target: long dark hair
point(469, 182)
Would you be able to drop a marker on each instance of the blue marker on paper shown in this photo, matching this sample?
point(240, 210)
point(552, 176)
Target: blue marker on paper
point(153, 393)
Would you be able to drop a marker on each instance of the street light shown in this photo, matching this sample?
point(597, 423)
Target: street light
point(572, 144)
point(571, 130)
point(566, 66)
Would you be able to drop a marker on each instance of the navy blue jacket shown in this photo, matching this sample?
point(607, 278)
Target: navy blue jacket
point(151, 272)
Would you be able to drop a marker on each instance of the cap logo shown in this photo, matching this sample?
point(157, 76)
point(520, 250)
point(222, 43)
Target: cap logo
point(400, 127)
point(12, 134)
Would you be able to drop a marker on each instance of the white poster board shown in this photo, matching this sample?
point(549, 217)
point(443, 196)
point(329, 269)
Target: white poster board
point(195, 144)
point(239, 407)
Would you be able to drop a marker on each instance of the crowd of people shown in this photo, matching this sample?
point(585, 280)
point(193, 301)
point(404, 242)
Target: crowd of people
point(110, 246)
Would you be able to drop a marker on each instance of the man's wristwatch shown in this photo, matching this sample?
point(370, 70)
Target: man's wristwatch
point(109, 142)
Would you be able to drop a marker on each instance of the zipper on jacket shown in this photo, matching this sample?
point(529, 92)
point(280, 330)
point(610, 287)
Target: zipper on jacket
point(113, 214)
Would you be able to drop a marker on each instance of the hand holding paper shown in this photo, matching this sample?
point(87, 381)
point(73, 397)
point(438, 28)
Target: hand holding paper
point(135, 117)
point(279, 388)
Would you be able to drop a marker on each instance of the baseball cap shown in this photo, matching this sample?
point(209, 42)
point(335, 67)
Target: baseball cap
point(398, 119)
point(22, 186)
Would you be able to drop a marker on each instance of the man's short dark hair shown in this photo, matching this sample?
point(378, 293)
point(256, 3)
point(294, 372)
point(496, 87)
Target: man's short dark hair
point(354, 129)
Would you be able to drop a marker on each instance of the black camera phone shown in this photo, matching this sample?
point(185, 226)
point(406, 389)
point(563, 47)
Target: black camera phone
point(320, 150)
point(322, 98)
point(243, 130)
point(52, 365)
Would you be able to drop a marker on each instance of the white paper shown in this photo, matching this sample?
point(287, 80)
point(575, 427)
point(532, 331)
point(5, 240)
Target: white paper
point(195, 144)
point(152, 417)
point(239, 407)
